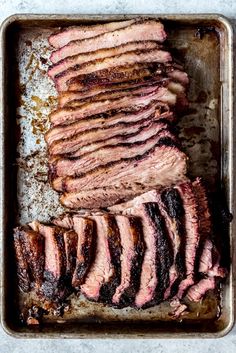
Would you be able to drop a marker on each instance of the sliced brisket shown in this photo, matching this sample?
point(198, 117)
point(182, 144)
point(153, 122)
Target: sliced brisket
point(147, 30)
point(131, 235)
point(69, 115)
point(66, 35)
point(160, 166)
point(125, 59)
point(105, 273)
point(53, 286)
point(80, 59)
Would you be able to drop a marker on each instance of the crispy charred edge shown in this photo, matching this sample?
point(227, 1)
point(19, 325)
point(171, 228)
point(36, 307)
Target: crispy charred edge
point(88, 252)
point(107, 290)
point(163, 142)
point(55, 288)
point(164, 252)
point(174, 207)
point(72, 257)
point(22, 268)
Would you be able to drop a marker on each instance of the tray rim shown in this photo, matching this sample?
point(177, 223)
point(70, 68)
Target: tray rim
point(225, 22)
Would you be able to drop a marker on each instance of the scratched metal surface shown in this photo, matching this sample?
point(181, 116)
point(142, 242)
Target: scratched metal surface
point(199, 132)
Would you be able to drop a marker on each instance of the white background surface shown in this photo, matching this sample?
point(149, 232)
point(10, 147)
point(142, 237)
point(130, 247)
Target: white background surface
point(228, 8)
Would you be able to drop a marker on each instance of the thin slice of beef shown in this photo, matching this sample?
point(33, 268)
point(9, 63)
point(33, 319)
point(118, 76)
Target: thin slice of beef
point(71, 241)
point(108, 119)
point(125, 59)
point(147, 30)
point(164, 131)
point(69, 115)
point(71, 167)
point(53, 287)
point(105, 273)
point(22, 267)
point(66, 97)
point(80, 59)
point(119, 74)
point(131, 260)
point(85, 229)
point(158, 255)
point(192, 234)
point(159, 167)
point(68, 34)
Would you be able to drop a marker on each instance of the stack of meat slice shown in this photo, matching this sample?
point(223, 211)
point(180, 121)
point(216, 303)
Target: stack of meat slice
point(153, 248)
point(119, 91)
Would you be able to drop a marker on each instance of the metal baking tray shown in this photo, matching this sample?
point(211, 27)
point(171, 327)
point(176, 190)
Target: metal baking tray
point(204, 44)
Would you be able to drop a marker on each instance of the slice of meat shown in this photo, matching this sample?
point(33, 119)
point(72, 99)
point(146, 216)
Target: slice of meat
point(205, 261)
point(33, 249)
point(133, 57)
point(53, 287)
point(69, 115)
point(192, 234)
point(85, 229)
point(22, 268)
point(66, 97)
point(70, 240)
point(131, 260)
point(100, 197)
point(196, 292)
point(148, 30)
point(164, 131)
point(111, 153)
point(80, 59)
point(107, 120)
point(63, 37)
point(105, 273)
point(161, 166)
point(130, 73)
point(157, 257)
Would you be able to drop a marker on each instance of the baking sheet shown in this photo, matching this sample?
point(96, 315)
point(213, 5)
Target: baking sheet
point(204, 134)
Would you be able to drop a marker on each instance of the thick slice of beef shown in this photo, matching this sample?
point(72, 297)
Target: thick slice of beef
point(129, 58)
point(164, 131)
point(66, 35)
point(131, 260)
point(85, 229)
point(71, 241)
point(192, 234)
point(66, 97)
point(147, 30)
point(53, 286)
point(197, 291)
point(158, 255)
point(104, 275)
point(33, 249)
point(22, 267)
point(100, 197)
point(69, 115)
point(29, 248)
point(119, 74)
point(108, 119)
point(111, 153)
point(80, 59)
point(159, 167)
